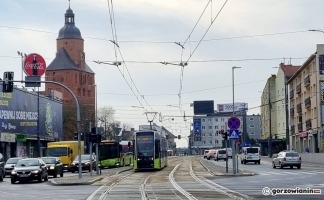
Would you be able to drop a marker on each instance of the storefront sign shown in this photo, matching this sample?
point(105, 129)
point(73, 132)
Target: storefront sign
point(21, 138)
point(7, 137)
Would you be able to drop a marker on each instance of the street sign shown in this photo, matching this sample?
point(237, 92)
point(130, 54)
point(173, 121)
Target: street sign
point(233, 123)
point(34, 65)
point(234, 134)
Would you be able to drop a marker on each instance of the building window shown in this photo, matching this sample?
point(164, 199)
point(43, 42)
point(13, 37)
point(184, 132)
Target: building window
point(210, 142)
point(216, 127)
point(251, 118)
point(202, 127)
point(203, 120)
point(222, 119)
point(83, 92)
point(252, 133)
point(216, 141)
point(88, 93)
point(209, 120)
point(222, 127)
point(210, 134)
point(216, 119)
point(79, 92)
point(210, 127)
point(76, 78)
point(204, 142)
point(251, 126)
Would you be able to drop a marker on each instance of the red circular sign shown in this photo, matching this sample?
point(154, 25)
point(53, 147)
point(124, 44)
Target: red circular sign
point(34, 65)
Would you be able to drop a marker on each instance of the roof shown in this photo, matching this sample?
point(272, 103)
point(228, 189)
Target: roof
point(289, 70)
point(304, 65)
point(62, 61)
point(69, 30)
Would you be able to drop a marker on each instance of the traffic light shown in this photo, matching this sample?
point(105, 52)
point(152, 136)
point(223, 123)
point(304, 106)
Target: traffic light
point(7, 85)
point(224, 134)
point(95, 138)
point(179, 137)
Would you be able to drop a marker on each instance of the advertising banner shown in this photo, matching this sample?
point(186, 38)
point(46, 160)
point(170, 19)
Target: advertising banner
point(19, 114)
point(229, 107)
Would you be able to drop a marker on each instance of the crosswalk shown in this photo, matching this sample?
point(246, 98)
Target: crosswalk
point(295, 172)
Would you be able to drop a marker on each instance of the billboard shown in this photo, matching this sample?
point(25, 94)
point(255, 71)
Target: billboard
point(19, 114)
point(229, 107)
point(203, 107)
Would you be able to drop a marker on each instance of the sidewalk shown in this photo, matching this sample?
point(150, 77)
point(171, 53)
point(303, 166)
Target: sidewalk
point(221, 171)
point(86, 178)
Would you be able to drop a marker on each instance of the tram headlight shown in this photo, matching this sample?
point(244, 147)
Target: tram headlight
point(139, 159)
point(151, 158)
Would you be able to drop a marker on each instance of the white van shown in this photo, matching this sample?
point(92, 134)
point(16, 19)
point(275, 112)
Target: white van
point(220, 154)
point(250, 154)
point(206, 153)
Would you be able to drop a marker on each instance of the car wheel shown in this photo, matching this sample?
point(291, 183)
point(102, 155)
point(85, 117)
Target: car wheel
point(298, 167)
point(291, 167)
point(244, 162)
point(72, 171)
point(13, 181)
point(46, 177)
point(280, 166)
point(1, 177)
point(55, 175)
point(241, 161)
point(40, 178)
point(259, 162)
point(61, 174)
point(273, 165)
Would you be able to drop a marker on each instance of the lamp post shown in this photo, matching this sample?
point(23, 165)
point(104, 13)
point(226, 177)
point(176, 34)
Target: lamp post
point(233, 141)
point(270, 131)
point(23, 56)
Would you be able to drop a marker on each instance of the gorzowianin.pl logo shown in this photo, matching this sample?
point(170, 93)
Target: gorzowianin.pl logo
point(290, 191)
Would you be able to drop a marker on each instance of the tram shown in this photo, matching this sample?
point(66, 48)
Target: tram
point(150, 151)
point(111, 154)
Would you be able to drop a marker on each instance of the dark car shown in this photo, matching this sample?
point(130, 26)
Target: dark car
point(54, 166)
point(85, 163)
point(2, 170)
point(10, 164)
point(29, 169)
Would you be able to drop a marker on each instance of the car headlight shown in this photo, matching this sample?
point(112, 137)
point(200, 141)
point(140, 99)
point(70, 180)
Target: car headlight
point(87, 163)
point(35, 171)
point(13, 172)
point(52, 167)
point(73, 163)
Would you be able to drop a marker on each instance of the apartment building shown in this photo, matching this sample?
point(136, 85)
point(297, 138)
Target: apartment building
point(306, 103)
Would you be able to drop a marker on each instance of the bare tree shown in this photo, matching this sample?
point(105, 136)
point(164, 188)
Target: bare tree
point(126, 126)
point(106, 118)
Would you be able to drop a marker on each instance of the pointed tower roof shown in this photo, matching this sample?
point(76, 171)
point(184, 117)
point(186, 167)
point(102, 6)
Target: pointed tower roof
point(62, 61)
point(69, 30)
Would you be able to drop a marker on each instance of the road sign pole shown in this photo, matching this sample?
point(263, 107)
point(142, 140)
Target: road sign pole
point(233, 156)
point(226, 155)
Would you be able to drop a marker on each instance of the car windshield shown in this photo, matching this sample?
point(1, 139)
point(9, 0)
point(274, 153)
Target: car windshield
point(292, 154)
point(252, 150)
point(49, 160)
point(13, 160)
point(27, 163)
point(222, 151)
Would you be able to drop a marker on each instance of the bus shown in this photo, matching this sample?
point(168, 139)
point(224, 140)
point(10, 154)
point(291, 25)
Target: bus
point(150, 151)
point(110, 154)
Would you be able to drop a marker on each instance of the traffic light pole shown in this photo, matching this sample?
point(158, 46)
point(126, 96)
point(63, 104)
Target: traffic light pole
point(226, 155)
point(78, 114)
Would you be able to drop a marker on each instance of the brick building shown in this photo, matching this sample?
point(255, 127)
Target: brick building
point(69, 68)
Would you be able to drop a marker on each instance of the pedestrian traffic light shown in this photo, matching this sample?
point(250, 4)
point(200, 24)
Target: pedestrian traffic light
point(7, 85)
point(179, 137)
point(95, 138)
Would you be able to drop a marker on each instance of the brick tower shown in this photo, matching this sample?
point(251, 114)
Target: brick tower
point(69, 68)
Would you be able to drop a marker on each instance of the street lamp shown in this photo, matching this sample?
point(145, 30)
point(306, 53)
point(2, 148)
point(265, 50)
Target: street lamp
point(233, 142)
point(316, 30)
point(23, 56)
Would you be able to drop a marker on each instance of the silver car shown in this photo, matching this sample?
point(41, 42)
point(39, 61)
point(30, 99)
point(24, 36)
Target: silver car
point(287, 158)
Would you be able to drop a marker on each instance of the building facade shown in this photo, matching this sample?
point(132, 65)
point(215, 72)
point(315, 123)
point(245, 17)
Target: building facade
point(306, 104)
point(253, 126)
point(69, 68)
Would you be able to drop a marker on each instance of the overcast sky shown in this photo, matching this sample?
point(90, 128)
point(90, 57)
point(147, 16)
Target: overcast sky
point(252, 34)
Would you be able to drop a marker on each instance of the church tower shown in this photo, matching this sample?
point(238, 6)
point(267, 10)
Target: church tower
point(69, 68)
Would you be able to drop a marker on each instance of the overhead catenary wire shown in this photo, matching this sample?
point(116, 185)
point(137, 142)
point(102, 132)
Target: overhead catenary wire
point(116, 46)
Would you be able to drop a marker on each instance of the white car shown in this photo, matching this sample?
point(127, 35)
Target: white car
point(250, 154)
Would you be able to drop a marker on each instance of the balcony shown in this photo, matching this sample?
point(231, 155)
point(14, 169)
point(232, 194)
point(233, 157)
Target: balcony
point(308, 124)
point(291, 93)
point(307, 102)
point(292, 129)
point(299, 108)
point(307, 81)
point(298, 89)
point(292, 112)
point(300, 127)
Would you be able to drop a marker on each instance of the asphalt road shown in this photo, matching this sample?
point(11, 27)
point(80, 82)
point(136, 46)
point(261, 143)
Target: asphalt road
point(309, 176)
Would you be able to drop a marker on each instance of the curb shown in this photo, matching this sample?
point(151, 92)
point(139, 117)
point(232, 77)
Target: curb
point(89, 182)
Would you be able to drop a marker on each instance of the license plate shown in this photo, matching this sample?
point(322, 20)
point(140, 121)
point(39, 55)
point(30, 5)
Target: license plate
point(24, 175)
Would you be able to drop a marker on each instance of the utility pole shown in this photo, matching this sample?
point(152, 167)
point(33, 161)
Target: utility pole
point(270, 133)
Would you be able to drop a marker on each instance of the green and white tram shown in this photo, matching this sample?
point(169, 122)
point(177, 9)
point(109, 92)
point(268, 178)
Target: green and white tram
point(150, 150)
